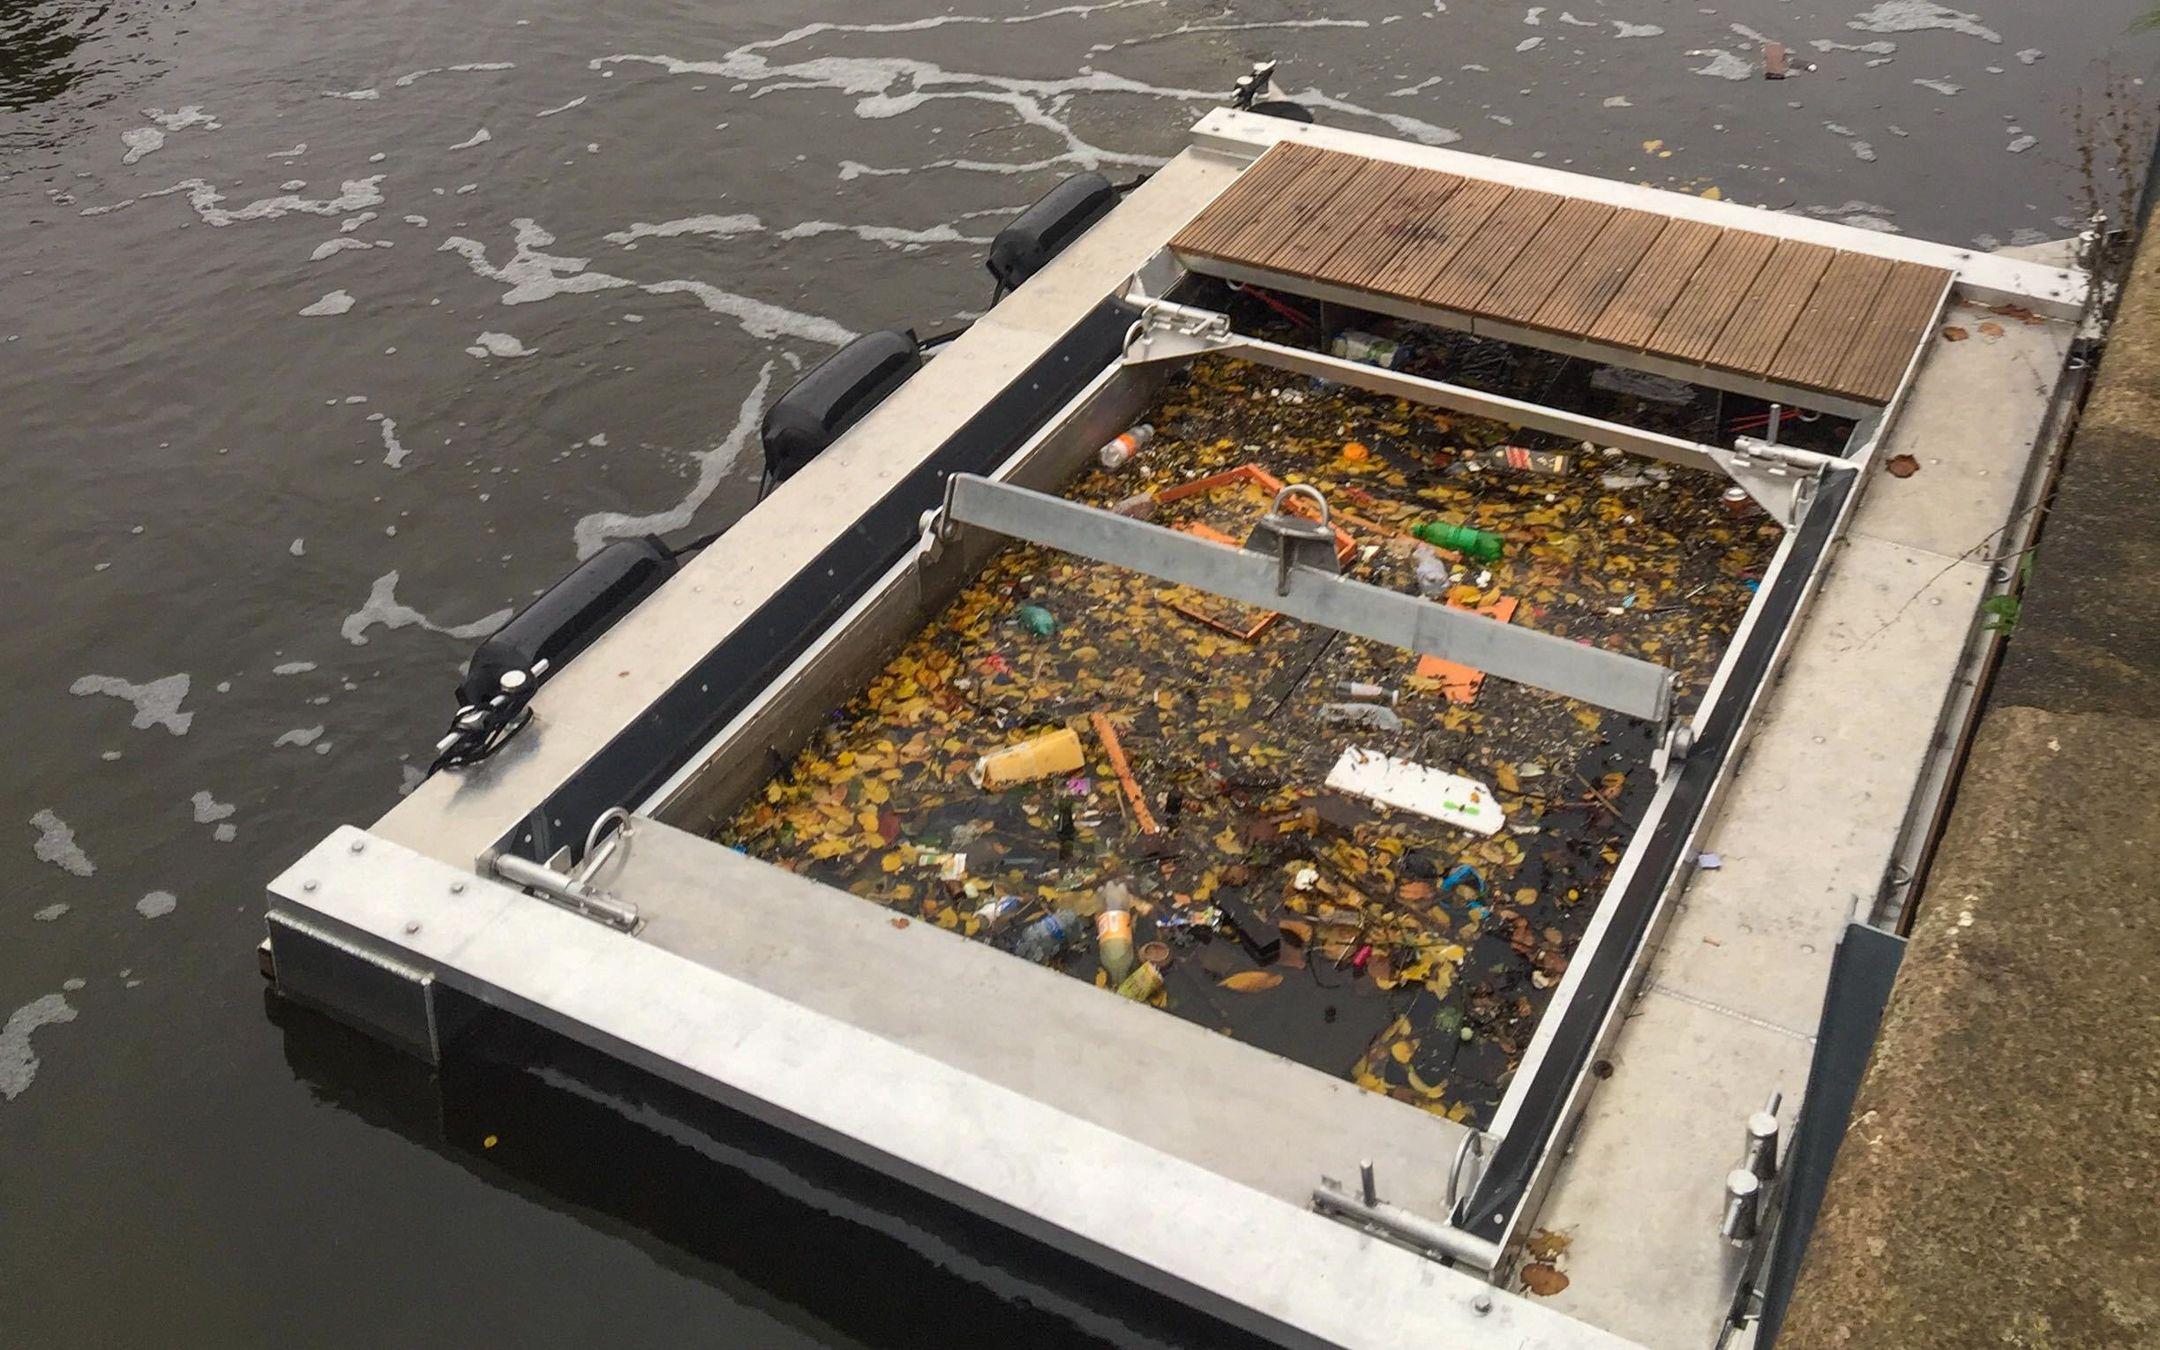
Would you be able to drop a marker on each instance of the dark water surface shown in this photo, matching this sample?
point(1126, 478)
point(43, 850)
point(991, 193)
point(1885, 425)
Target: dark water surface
point(303, 380)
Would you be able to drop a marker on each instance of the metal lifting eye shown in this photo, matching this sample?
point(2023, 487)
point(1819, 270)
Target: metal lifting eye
point(1295, 539)
point(1305, 490)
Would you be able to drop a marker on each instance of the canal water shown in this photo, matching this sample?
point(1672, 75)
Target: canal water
point(328, 335)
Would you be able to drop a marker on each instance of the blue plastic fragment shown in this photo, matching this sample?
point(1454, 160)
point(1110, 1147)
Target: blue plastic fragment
point(1460, 873)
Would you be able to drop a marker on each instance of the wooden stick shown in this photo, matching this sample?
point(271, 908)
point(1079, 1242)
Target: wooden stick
point(1116, 752)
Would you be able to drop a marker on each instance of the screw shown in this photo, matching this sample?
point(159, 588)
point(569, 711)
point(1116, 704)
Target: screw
point(457, 888)
point(308, 885)
point(1481, 1304)
point(359, 845)
point(1366, 1183)
point(413, 927)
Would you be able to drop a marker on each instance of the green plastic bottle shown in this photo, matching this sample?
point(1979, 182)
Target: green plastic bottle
point(1482, 545)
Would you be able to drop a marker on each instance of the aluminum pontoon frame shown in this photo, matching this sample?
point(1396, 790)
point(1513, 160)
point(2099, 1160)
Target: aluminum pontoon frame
point(489, 883)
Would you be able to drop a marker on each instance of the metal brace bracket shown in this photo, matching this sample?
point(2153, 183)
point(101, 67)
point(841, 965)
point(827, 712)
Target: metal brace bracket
point(1780, 479)
point(1168, 331)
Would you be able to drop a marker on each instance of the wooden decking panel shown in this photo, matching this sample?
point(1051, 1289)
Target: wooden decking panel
point(1340, 220)
point(1554, 255)
point(1247, 198)
point(1289, 207)
point(1514, 222)
point(1400, 219)
point(1728, 299)
point(1657, 281)
point(1881, 350)
point(1606, 264)
point(1436, 240)
point(1767, 312)
point(1822, 334)
point(1706, 304)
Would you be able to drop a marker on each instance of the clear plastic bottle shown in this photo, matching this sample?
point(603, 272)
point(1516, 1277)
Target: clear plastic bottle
point(1047, 936)
point(1115, 454)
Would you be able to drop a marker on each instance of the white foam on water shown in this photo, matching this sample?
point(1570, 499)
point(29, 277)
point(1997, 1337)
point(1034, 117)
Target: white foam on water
point(1724, 65)
point(225, 834)
point(1420, 87)
point(2022, 144)
point(892, 236)
point(1871, 48)
point(157, 704)
point(1574, 22)
point(1534, 15)
point(157, 904)
point(180, 119)
point(499, 344)
point(758, 318)
point(531, 273)
point(1624, 29)
point(394, 450)
point(18, 1065)
point(357, 95)
point(407, 80)
point(1943, 87)
point(1911, 16)
point(56, 845)
point(1618, 101)
point(593, 532)
point(51, 912)
point(562, 107)
point(342, 243)
point(1859, 214)
point(348, 225)
point(1184, 28)
point(1529, 44)
point(384, 609)
point(298, 548)
point(336, 302)
point(353, 195)
point(479, 137)
point(299, 736)
point(2030, 55)
point(293, 153)
point(715, 226)
point(208, 809)
point(292, 668)
point(1862, 151)
point(141, 141)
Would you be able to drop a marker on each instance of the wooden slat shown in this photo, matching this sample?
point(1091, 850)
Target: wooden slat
point(1691, 327)
point(1428, 247)
point(1341, 219)
point(1823, 333)
point(1398, 220)
point(1548, 260)
point(1598, 272)
point(1900, 320)
point(1758, 328)
point(1272, 222)
point(1230, 213)
point(1496, 245)
point(1647, 296)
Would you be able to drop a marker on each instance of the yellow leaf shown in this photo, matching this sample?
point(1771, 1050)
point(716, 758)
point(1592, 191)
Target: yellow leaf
point(1251, 981)
point(1504, 778)
point(1400, 1050)
point(892, 862)
point(868, 820)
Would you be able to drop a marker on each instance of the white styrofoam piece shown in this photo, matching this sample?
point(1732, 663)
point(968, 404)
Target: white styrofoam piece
point(1411, 786)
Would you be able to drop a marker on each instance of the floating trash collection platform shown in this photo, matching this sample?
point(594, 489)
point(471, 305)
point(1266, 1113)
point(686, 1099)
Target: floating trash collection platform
point(1178, 747)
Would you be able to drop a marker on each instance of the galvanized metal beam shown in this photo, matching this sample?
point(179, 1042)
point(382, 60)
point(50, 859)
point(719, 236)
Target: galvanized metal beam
point(1625, 684)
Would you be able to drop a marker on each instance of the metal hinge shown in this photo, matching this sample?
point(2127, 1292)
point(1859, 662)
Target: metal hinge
point(1782, 480)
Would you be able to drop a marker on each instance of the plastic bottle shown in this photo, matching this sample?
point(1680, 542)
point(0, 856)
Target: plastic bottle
point(1482, 545)
point(1117, 452)
point(1047, 936)
point(1113, 933)
point(995, 914)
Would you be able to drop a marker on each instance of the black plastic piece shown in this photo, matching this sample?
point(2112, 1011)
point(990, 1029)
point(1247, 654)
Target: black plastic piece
point(1283, 108)
point(837, 393)
point(1043, 231)
point(569, 615)
point(1261, 939)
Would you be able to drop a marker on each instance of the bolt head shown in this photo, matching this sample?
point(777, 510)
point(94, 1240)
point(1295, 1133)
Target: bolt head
point(457, 888)
point(413, 927)
point(1481, 1304)
point(359, 846)
point(308, 885)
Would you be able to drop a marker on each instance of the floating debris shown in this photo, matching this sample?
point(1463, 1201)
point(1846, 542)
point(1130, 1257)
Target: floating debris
point(1310, 921)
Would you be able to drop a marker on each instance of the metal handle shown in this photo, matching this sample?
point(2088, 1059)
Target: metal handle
point(1472, 1146)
